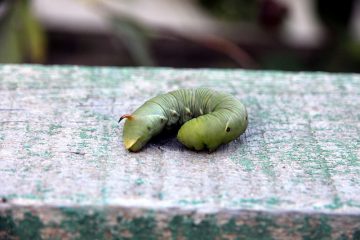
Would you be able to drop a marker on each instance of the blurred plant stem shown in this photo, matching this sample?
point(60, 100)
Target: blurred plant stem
point(133, 34)
point(220, 45)
point(21, 36)
point(136, 39)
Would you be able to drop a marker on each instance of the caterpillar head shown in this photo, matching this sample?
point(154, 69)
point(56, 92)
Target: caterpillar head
point(138, 130)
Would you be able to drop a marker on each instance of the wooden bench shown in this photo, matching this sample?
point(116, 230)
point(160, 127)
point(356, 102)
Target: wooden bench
point(64, 173)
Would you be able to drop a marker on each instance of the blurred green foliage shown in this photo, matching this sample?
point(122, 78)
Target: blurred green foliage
point(21, 36)
point(245, 10)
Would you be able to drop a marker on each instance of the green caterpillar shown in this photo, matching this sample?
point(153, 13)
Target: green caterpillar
point(208, 118)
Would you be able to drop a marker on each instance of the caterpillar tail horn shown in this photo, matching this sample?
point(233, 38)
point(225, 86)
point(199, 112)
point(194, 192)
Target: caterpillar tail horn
point(128, 116)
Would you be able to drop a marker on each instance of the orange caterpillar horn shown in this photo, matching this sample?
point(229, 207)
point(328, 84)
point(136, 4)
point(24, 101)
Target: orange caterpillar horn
point(128, 116)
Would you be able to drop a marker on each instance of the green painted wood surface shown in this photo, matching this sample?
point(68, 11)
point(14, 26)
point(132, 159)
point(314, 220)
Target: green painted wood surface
point(64, 173)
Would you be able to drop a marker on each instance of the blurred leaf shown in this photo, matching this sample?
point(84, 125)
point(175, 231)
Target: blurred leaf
point(20, 34)
point(10, 50)
point(34, 43)
point(135, 38)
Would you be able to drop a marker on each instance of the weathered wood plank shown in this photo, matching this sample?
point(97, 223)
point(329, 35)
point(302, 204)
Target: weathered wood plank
point(63, 170)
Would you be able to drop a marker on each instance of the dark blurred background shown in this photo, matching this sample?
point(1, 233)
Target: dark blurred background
point(317, 35)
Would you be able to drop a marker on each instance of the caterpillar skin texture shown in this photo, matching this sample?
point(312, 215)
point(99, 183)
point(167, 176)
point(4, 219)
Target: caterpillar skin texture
point(208, 118)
